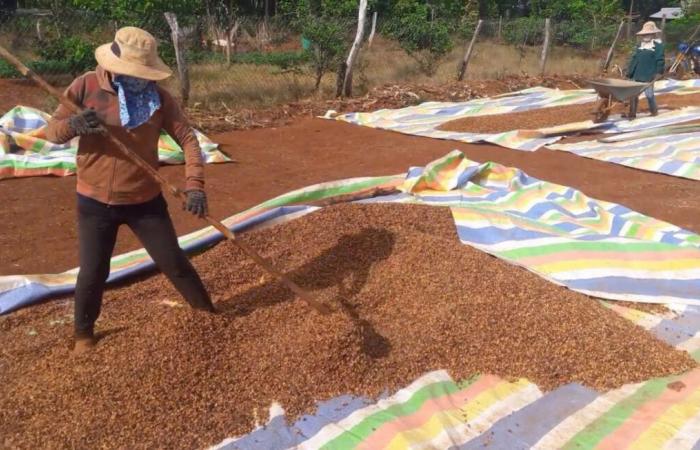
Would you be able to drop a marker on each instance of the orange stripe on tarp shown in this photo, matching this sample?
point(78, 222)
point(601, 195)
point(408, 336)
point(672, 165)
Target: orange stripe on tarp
point(388, 431)
point(12, 172)
point(647, 414)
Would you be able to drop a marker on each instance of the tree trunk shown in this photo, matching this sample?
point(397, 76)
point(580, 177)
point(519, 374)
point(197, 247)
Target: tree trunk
point(230, 34)
point(545, 47)
point(500, 28)
point(374, 28)
point(39, 34)
point(179, 44)
point(355, 49)
point(611, 51)
point(468, 54)
point(595, 30)
point(319, 77)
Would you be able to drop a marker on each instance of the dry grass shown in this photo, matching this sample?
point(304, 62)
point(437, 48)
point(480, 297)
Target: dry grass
point(490, 60)
point(246, 85)
point(218, 86)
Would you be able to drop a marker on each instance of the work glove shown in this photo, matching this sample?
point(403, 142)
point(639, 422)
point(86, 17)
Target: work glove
point(85, 123)
point(196, 203)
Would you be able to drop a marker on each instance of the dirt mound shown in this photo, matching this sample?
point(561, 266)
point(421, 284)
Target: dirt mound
point(412, 299)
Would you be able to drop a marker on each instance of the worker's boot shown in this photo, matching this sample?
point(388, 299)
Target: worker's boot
point(84, 342)
point(653, 109)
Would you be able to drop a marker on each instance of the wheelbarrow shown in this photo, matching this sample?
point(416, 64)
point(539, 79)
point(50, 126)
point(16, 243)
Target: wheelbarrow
point(613, 91)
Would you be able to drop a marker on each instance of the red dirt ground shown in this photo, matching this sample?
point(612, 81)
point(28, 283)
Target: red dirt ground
point(37, 233)
point(25, 93)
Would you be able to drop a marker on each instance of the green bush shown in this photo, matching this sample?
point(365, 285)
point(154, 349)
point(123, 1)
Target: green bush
point(40, 67)
point(329, 43)
point(581, 34)
point(75, 55)
point(524, 31)
point(425, 40)
point(327, 24)
point(679, 30)
point(283, 60)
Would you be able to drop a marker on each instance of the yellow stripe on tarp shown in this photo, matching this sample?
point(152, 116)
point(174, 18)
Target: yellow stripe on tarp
point(669, 423)
point(621, 264)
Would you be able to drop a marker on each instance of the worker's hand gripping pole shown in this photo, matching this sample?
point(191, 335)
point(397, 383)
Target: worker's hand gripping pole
point(136, 159)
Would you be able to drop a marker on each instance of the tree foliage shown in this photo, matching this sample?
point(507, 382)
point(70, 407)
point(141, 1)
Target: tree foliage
point(420, 32)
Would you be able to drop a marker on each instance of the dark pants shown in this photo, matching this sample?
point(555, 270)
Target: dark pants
point(98, 224)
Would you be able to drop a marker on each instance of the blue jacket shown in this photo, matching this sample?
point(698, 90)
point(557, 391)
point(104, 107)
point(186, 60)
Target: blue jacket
point(646, 64)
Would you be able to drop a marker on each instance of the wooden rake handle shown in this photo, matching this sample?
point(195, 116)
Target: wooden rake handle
point(174, 190)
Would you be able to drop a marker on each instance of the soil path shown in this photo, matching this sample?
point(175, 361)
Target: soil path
point(38, 233)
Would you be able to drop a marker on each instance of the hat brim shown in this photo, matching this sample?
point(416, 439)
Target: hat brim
point(643, 33)
point(109, 61)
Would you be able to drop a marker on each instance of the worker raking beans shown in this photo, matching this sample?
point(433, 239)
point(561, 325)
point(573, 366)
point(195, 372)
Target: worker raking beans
point(122, 96)
point(646, 64)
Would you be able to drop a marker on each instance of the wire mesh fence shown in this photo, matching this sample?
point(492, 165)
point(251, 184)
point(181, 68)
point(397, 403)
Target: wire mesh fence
point(250, 62)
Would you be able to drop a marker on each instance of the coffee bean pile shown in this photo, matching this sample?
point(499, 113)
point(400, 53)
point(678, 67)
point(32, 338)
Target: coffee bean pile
point(409, 299)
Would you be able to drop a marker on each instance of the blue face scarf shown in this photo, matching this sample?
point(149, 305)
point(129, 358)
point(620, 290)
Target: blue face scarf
point(138, 100)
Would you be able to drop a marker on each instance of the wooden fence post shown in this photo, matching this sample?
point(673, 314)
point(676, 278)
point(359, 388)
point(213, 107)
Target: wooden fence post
point(500, 28)
point(663, 27)
point(374, 28)
point(179, 44)
point(545, 47)
point(629, 22)
point(355, 49)
point(611, 51)
point(468, 54)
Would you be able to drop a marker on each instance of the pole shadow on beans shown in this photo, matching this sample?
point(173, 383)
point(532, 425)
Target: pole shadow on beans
point(347, 266)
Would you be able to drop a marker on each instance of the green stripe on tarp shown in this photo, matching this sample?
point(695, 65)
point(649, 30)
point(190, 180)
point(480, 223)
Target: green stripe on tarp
point(370, 424)
point(612, 247)
point(306, 196)
point(604, 425)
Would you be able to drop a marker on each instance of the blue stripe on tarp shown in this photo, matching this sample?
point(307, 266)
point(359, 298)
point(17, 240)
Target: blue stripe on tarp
point(686, 289)
point(24, 295)
point(493, 235)
point(679, 329)
point(526, 426)
point(278, 434)
point(673, 166)
point(22, 124)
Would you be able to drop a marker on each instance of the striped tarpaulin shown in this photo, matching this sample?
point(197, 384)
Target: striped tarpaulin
point(674, 154)
point(425, 119)
point(25, 152)
point(554, 231)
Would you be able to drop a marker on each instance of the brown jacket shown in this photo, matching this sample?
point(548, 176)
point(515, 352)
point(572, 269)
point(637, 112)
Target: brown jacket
point(104, 174)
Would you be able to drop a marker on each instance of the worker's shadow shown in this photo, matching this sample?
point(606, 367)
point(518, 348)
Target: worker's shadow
point(346, 265)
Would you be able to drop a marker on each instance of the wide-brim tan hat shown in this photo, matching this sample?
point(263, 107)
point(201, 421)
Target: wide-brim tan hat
point(133, 52)
point(649, 28)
